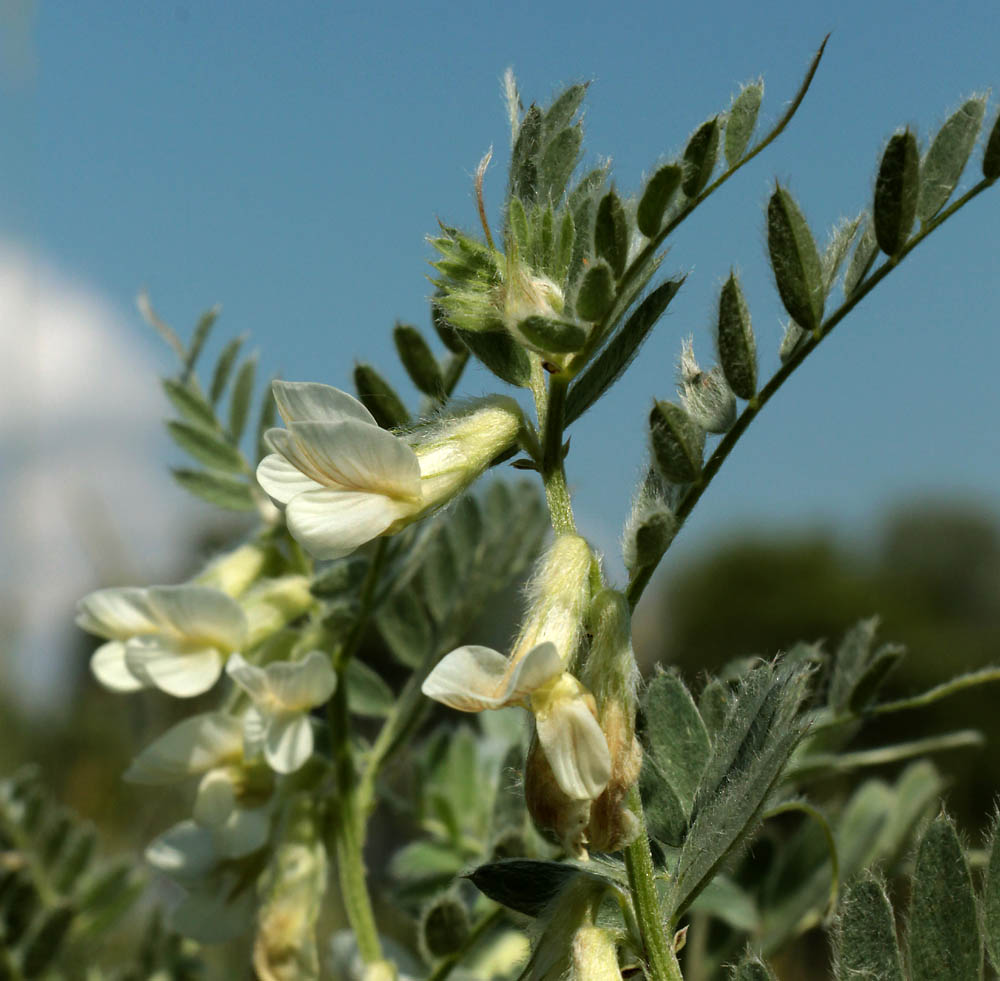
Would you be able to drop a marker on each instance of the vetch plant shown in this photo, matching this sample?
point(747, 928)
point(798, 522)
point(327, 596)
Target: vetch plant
point(620, 827)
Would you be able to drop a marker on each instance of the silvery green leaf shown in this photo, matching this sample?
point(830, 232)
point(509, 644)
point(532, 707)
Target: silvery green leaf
point(379, 397)
point(557, 163)
point(239, 400)
point(219, 489)
point(699, 157)
point(596, 292)
point(795, 261)
point(265, 420)
point(405, 626)
point(656, 196)
point(666, 816)
point(865, 939)
point(991, 154)
point(917, 791)
point(367, 693)
point(896, 190)
point(418, 360)
point(189, 402)
point(741, 121)
point(224, 367)
point(837, 248)
point(201, 331)
point(944, 940)
point(517, 222)
point(564, 247)
point(678, 443)
point(947, 156)
point(560, 114)
point(206, 446)
point(991, 897)
point(752, 968)
point(861, 261)
point(611, 232)
point(524, 157)
point(552, 336)
point(735, 340)
point(501, 354)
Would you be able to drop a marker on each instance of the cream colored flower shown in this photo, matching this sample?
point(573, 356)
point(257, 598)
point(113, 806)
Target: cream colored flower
point(174, 638)
point(283, 692)
point(344, 481)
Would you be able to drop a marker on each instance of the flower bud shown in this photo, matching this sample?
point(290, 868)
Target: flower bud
point(291, 890)
point(612, 675)
point(236, 571)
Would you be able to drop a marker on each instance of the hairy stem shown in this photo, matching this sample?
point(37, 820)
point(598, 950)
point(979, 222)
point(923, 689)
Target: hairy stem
point(729, 441)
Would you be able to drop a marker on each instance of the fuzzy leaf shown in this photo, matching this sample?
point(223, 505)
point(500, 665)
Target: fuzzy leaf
point(501, 354)
point(558, 161)
point(861, 261)
point(659, 191)
point(735, 340)
point(418, 360)
point(896, 189)
point(752, 968)
point(560, 114)
point(944, 936)
point(379, 397)
point(699, 157)
point(239, 400)
point(206, 446)
point(219, 489)
point(794, 260)
point(991, 155)
point(265, 420)
point(528, 885)
point(524, 157)
point(564, 247)
point(596, 293)
point(201, 331)
point(611, 232)
point(189, 402)
point(367, 693)
point(405, 627)
point(678, 443)
point(666, 816)
point(619, 352)
point(224, 367)
point(866, 944)
point(991, 898)
point(742, 120)
point(836, 249)
point(946, 159)
point(517, 222)
point(552, 336)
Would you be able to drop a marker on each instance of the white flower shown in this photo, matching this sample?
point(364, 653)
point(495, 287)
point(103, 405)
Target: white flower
point(174, 638)
point(283, 692)
point(344, 481)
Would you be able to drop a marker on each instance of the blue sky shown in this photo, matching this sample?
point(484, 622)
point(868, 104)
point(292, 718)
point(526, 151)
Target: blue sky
point(288, 160)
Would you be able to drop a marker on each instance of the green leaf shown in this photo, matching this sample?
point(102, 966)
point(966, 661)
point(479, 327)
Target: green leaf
point(447, 334)
point(596, 293)
point(189, 402)
point(991, 896)
point(524, 157)
point(558, 161)
point(223, 491)
point(444, 927)
point(752, 968)
point(528, 885)
point(620, 351)
point(367, 693)
point(239, 401)
point(882, 664)
point(565, 241)
point(991, 155)
point(678, 443)
point(611, 232)
point(896, 190)
point(405, 627)
point(379, 397)
point(418, 360)
point(861, 261)
point(917, 792)
point(440, 578)
point(850, 663)
point(699, 157)
point(659, 191)
point(865, 939)
point(944, 936)
point(517, 222)
point(735, 340)
point(750, 752)
point(713, 704)
point(206, 446)
point(836, 249)
point(544, 219)
point(425, 861)
point(501, 354)
point(224, 367)
point(553, 336)
point(742, 120)
point(341, 576)
point(266, 419)
point(666, 817)
point(675, 735)
point(44, 944)
point(795, 261)
point(946, 159)
point(726, 901)
point(560, 114)
point(205, 323)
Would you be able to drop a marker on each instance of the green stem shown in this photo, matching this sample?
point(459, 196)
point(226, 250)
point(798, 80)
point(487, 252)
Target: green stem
point(726, 444)
point(348, 820)
point(446, 965)
point(661, 961)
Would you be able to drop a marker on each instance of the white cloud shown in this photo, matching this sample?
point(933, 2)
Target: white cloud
point(85, 492)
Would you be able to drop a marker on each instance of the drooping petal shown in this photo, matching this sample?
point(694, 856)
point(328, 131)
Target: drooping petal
point(289, 742)
point(537, 667)
point(195, 745)
point(245, 831)
point(117, 613)
point(255, 723)
point(575, 747)
point(181, 672)
point(186, 852)
point(331, 524)
point(249, 677)
point(201, 614)
point(468, 679)
point(215, 800)
point(313, 402)
point(109, 668)
point(299, 685)
point(281, 480)
point(359, 457)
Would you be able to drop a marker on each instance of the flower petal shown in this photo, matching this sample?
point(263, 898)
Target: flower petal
point(575, 748)
point(244, 832)
point(255, 723)
point(281, 480)
point(289, 742)
point(284, 444)
point(201, 614)
point(468, 679)
point(249, 677)
point(117, 613)
point(215, 800)
point(195, 745)
point(358, 457)
point(539, 665)
point(330, 524)
point(185, 852)
point(299, 685)
point(182, 673)
point(109, 668)
point(313, 402)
